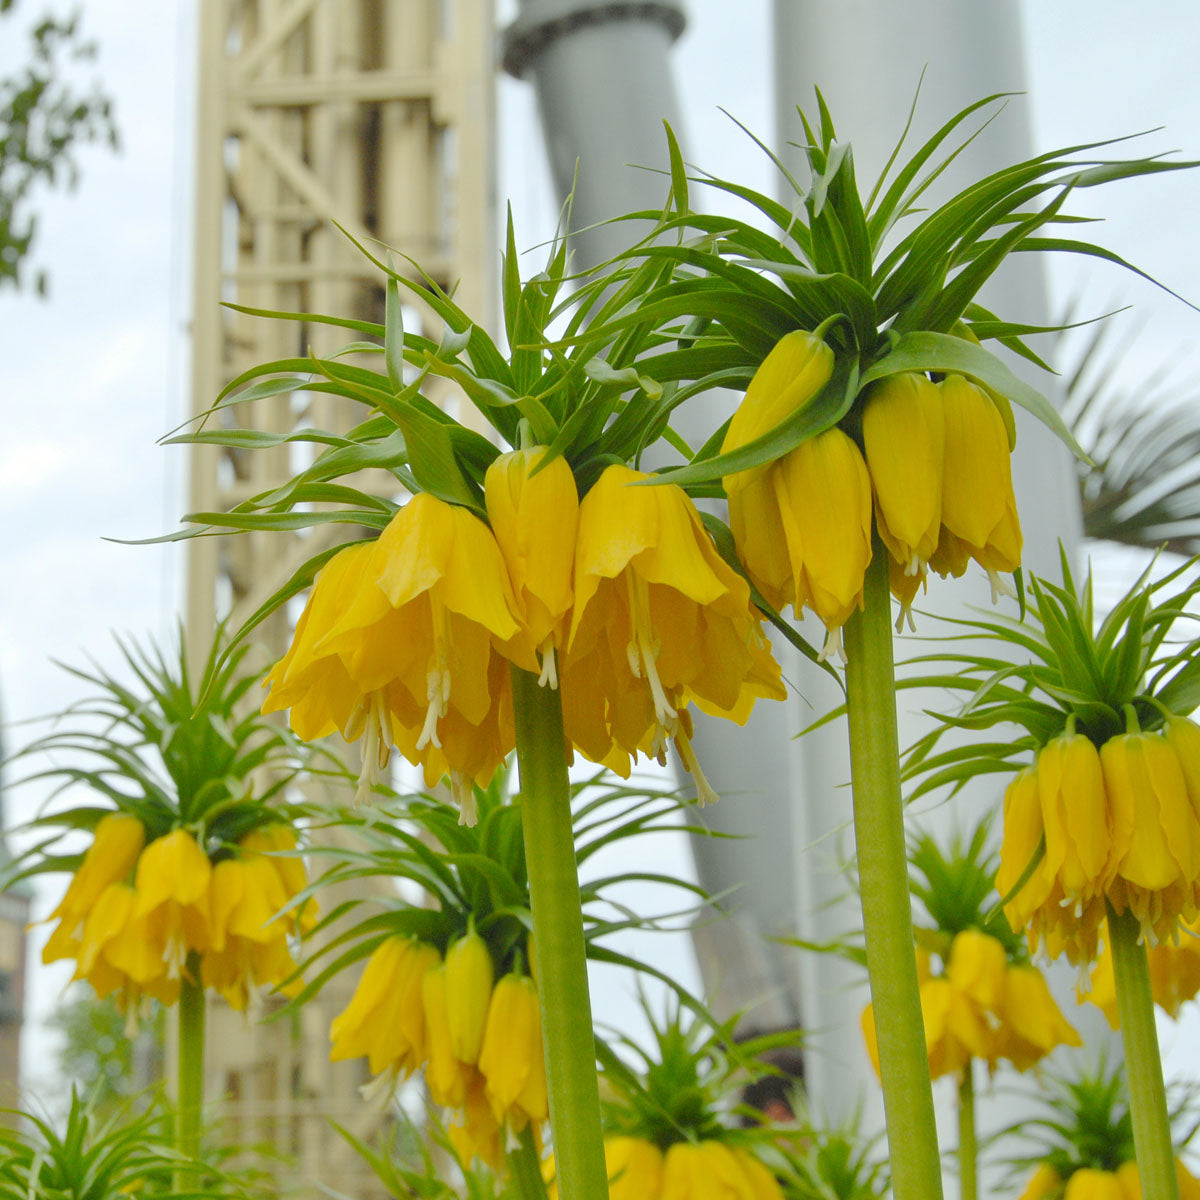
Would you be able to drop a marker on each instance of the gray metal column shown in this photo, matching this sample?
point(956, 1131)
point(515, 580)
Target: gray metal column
point(603, 80)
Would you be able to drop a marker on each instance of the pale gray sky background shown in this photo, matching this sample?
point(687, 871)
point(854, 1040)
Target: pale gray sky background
point(91, 377)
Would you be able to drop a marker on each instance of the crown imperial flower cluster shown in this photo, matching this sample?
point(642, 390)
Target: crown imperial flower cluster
point(1120, 827)
point(135, 911)
point(933, 466)
point(621, 601)
point(478, 1039)
point(982, 1006)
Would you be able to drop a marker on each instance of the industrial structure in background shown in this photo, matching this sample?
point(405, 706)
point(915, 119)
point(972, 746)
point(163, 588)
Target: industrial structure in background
point(379, 114)
point(376, 114)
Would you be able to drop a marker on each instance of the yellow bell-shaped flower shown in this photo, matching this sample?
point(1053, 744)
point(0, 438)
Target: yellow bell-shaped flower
point(511, 1058)
point(1031, 1023)
point(797, 368)
point(977, 968)
point(277, 843)
point(802, 528)
point(534, 515)
point(903, 439)
point(1075, 816)
point(477, 1134)
point(116, 844)
point(634, 1166)
point(385, 1019)
point(469, 979)
point(1156, 833)
point(979, 511)
point(402, 641)
point(172, 883)
point(1044, 1183)
point(659, 620)
point(445, 1075)
point(1090, 1184)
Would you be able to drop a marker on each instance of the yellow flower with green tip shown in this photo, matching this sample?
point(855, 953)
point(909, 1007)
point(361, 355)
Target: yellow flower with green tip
point(903, 438)
point(659, 620)
point(534, 515)
point(469, 979)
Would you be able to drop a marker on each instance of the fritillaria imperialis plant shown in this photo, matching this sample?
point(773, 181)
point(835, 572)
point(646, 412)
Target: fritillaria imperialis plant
point(190, 878)
point(1102, 828)
point(549, 593)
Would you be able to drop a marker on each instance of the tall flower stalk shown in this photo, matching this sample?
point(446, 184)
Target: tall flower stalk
point(558, 933)
point(883, 879)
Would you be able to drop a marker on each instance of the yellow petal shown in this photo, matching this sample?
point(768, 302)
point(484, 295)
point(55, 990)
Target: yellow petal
point(469, 979)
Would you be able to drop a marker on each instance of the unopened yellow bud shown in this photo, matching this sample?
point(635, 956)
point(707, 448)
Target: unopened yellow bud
point(797, 368)
point(903, 438)
point(469, 979)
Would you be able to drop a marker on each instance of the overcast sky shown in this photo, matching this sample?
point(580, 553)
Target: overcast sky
point(91, 377)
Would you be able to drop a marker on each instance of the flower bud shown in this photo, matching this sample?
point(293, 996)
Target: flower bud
point(797, 368)
point(469, 979)
point(903, 437)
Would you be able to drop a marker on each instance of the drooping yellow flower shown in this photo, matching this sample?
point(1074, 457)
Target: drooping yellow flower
point(1090, 1184)
point(469, 979)
point(977, 966)
point(119, 953)
point(634, 1166)
point(659, 620)
point(385, 1019)
point(1156, 833)
point(979, 511)
point(1031, 1024)
point(116, 844)
point(903, 437)
point(1044, 1183)
point(511, 1059)
point(172, 883)
point(1062, 799)
point(983, 1007)
point(712, 1170)
point(534, 515)
point(248, 949)
point(446, 1075)
point(277, 843)
point(401, 640)
point(1174, 975)
point(797, 368)
point(477, 1133)
point(803, 530)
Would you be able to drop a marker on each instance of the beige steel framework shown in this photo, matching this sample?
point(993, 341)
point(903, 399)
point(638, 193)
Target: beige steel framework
point(376, 114)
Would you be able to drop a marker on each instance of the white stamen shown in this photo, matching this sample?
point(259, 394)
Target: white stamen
point(463, 789)
point(437, 692)
point(833, 645)
point(549, 676)
point(1000, 586)
point(378, 1093)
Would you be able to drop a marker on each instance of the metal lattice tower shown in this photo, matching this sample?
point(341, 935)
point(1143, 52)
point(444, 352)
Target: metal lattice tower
point(376, 114)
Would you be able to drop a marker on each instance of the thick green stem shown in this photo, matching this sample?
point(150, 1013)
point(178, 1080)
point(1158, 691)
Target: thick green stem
point(526, 1168)
point(883, 883)
point(1143, 1066)
point(558, 934)
point(968, 1172)
point(190, 1081)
